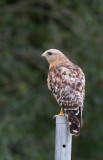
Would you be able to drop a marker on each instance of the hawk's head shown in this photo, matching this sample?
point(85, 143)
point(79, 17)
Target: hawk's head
point(52, 54)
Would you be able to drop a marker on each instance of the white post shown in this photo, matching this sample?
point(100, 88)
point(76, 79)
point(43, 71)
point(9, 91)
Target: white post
point(63, 139)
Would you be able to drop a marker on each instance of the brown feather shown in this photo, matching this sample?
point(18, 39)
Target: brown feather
point(67, 83)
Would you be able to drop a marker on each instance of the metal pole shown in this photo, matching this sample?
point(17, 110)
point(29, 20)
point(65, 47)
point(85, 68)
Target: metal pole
point(63, 139)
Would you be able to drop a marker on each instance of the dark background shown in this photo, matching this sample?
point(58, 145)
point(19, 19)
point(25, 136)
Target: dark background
point(27, 29)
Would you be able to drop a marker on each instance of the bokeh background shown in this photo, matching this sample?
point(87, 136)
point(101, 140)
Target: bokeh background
point(27, 29)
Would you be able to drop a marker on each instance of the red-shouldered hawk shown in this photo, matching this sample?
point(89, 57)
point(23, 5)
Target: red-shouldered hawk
point(67, 83)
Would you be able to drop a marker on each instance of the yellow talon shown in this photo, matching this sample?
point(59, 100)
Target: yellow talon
point(60, 114)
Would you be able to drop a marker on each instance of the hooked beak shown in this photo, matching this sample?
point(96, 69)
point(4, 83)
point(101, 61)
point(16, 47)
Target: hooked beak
point(43, 55)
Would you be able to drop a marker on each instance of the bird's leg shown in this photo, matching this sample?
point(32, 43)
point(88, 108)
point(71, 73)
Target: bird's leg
point(60, 114)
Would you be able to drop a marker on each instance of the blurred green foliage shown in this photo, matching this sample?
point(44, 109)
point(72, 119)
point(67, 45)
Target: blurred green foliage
point(27, 28)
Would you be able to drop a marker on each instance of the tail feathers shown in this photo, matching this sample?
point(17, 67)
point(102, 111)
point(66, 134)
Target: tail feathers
point(74, 129)
point(74, 123)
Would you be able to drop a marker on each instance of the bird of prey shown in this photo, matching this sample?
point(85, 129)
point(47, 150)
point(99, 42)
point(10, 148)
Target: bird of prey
point(67, 83)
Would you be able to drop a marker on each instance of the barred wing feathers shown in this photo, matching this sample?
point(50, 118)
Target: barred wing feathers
point(67, 83)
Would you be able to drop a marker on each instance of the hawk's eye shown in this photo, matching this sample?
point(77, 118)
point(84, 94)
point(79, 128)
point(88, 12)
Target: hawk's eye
point(49, 53)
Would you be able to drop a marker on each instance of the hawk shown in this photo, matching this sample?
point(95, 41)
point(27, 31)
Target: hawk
point(67, 83)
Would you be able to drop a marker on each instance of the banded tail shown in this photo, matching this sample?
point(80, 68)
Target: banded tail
point(74, 121)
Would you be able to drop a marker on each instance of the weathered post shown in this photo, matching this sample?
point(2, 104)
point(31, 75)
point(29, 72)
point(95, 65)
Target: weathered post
point(63, 139)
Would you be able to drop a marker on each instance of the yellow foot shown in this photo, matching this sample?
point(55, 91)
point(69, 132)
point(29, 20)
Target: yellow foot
point(60, 114)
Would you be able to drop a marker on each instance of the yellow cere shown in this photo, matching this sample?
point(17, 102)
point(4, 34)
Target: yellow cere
point(44, 54)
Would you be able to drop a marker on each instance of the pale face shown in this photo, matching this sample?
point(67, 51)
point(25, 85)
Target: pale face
point(52, 54)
